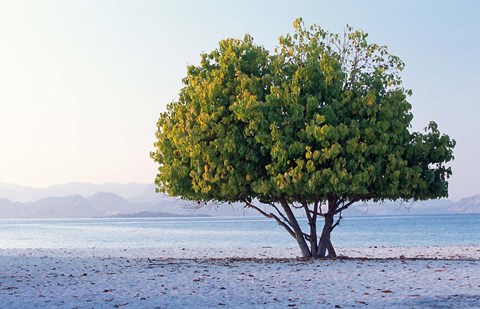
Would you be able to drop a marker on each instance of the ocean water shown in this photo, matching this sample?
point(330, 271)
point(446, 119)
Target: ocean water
point(439, 230)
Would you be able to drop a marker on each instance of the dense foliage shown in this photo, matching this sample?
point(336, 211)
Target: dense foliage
point(323, 120)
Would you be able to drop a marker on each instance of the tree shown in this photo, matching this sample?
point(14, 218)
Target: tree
point(318, 125)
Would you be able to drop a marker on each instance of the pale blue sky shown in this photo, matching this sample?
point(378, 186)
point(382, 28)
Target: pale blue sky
point(83, 82)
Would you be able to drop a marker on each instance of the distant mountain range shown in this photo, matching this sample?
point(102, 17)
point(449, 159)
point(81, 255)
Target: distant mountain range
point(467, 205)
point(16, 193)
point(86, 200)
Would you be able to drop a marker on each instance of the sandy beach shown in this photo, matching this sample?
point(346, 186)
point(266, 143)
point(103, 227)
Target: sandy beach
point(376, 277)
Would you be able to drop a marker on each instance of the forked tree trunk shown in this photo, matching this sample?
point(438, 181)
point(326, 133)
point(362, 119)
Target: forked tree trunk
point(325, 245)
point(325, 242)
point(297, 230)
point(317, 249)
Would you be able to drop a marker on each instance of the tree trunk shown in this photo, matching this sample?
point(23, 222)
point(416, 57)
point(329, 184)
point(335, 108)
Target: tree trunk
point(330, 249)
point(325, 243)
point(312, 221)
point(296, 228)
point(313, 238)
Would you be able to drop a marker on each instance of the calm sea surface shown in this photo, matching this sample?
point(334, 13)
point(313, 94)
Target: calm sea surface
point(441, 230)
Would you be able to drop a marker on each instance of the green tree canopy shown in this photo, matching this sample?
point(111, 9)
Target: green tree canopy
point(323, 120)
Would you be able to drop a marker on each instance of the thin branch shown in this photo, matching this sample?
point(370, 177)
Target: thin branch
point(297, 207)
point(271, 215)
point(318, 213)
point(345, 206)
point(307, 211)
point(307, 237)
point(315, 211)
point(280, 213)
point(336, 223)
point(341, 200)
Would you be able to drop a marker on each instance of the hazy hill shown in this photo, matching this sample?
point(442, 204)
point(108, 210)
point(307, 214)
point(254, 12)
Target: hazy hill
point(88, 189)
point(469, 205)
point(24, 194)
point(111, 204)
point(74, 206)
point(10, 210)
point(17, 193)
point(430, 207)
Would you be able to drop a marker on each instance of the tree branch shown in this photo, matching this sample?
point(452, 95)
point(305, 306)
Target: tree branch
point(318, 213)
point(271, 215)
point(297, 207)
point(308, 212)
point(341, 200)
point(315, 210)
point(345, 206)
point(307, 237)
point(285, 219)
point(336, 223)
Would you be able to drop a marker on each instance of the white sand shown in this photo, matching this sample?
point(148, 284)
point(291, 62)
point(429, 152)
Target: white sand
point(176, 278)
